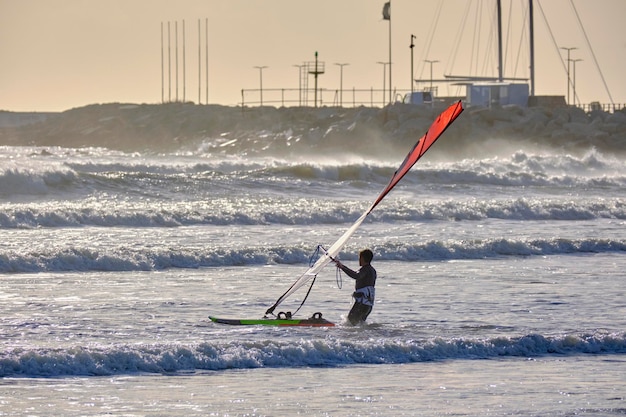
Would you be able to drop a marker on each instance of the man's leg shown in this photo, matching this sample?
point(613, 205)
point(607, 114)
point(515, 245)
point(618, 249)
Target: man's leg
point(358, 313)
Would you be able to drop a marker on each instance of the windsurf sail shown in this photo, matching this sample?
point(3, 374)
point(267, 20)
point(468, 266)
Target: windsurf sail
point(439, 126)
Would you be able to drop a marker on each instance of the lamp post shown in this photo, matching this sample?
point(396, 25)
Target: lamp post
point(341, 82)
point(431, 62)
point(574, 61)
point(384, 64)
point(412, 45)
point(568, 61)
point(261, 81)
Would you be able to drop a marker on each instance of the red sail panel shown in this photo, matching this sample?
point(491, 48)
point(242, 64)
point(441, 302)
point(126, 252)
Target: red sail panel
point(439, 126)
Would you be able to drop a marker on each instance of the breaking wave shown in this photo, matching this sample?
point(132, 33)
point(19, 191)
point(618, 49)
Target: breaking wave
point(190, 179)
point(327, 352)
point(123, 258)
point(221, 212)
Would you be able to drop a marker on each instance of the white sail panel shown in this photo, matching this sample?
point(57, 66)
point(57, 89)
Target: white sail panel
point(324, 260)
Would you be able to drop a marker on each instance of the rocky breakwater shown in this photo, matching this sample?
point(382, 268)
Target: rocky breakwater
point(164, 127)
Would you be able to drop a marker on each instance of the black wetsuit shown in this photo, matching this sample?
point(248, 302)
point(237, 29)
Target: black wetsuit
point(364, 293)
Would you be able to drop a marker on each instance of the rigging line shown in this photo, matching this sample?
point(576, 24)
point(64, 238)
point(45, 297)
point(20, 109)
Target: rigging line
point(508, 37)
point(489, 47)
point(595, 60)
point(306, 296)
point(523, 36)
point(460, 33)
point(474, 38)
point(338, 278)
point(457, 39)
point(431, 35)
point(556, 46)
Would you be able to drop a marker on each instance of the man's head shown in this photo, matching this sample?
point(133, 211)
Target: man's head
point(365, 257)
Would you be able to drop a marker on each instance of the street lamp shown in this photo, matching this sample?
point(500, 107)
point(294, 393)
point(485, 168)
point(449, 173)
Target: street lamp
point(384, 64)
point(568, 61)
point(574, 61)
point(261, 81)
point(341, 83)
point(431, 62)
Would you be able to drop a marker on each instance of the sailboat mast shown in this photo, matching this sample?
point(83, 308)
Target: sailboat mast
point(499, 7)
point(531, 27)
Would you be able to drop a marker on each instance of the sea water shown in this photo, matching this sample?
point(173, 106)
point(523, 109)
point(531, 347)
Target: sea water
point(501, 285)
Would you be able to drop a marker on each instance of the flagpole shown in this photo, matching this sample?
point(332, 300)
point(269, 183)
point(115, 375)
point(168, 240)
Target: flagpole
point(387, 16)
point(390, 85)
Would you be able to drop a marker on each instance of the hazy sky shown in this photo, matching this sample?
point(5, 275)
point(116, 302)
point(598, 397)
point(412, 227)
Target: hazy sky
point(60, 54)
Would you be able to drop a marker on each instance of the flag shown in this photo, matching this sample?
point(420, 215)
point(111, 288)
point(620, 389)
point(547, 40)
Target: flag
point(387, 11)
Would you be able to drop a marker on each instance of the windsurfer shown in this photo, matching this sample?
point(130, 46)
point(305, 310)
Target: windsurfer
point(364, 287)
point(366, 277)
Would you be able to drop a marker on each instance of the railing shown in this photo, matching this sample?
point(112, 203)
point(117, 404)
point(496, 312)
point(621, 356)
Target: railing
point(605, 107)
point(325, 97)
point(355, 97)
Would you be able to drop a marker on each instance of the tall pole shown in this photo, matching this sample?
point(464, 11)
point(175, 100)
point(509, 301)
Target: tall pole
point(390, 53)
point(176, 54)
point(162, 68)
point(261, 81)
point(412, 45)
point(184, 67)
point(574, 61)
point(569, 81)
point(341, 83)
point(300, 83)
point(206, 58)
point(199, 65)
point(169, 64)
point(315, 75)
point(500, 69)
point(387, 16)
point(431, 62)
point(531, 25)
point(384, 64)
point(318, 70)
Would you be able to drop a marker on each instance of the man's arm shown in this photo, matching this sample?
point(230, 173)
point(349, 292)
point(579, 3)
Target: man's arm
point(352, 274)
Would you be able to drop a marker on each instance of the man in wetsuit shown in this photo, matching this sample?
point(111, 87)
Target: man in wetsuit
point(364, 287)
